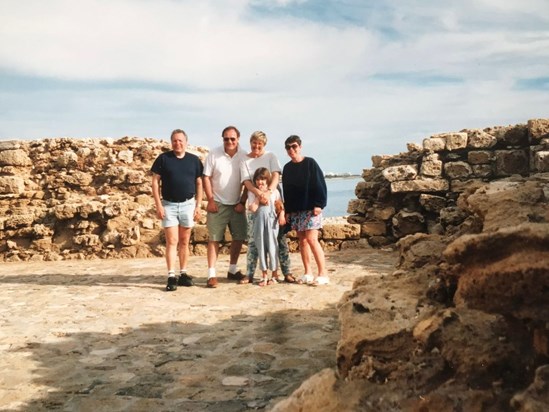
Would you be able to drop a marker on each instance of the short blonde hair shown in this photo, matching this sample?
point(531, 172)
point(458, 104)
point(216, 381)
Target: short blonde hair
point(259, 136)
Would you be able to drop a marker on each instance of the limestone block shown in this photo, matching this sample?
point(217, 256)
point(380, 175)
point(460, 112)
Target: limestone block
point(383, 212)
point(483, 171)
point(16, 221)
point(148, 223)
point(87, 240)
point(200, 233)
point(200, 249)
point(414, 147)
point(432, 203)
point(77, 178)
point(65, 211)
point(398, 173)
point(510, 162)
point(512, 135)
point(379, 160)
point(407, 223)
point(478, 157)
point(454, 141)
point(67, 159)
point(538, 129)
point(90, 208)
point(340, 232)
point(11, 185)
point(41, 230)
point(10, 145)
point(364, 190)
point(541, 161)
point(43, 244)
point(357, 206)
point(460, 186)
point(457, 170)
point(452, 216)
point(376, 228)
point(117, 174)
point(431, 166)
point(420, 185)
point(135, 177)
point(434, 144)
point(125, 156)
point(17, 157)
point(479, 139)
point(130, 236)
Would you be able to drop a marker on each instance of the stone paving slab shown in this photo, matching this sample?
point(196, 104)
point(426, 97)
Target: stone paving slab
point(104, 335)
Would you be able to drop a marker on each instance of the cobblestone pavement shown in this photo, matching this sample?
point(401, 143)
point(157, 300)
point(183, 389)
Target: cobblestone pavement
point(104, 335)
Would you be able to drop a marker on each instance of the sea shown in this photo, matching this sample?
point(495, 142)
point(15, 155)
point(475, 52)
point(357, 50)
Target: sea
point(340, 191)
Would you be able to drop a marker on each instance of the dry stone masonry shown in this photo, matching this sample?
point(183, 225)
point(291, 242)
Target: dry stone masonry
point(65, 198)
point(417, 191)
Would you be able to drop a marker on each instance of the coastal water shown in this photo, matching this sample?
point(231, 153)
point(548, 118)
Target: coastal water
point(340, 191)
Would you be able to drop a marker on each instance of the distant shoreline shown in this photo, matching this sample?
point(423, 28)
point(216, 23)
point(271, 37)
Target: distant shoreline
point(341, 175)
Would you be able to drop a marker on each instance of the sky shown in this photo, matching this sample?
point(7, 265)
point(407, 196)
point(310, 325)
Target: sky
point(352, 78)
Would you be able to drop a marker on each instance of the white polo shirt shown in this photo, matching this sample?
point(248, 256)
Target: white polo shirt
point(224, 173)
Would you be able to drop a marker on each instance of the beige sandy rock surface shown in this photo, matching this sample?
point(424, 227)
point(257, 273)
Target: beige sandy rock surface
point(104, 335)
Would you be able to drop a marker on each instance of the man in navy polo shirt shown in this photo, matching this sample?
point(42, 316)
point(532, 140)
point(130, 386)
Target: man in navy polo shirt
point(177, 192)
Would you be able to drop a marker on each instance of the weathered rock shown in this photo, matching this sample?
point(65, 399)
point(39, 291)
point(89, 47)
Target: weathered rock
point(406, 223)
point(536, 397)
point(504, 272)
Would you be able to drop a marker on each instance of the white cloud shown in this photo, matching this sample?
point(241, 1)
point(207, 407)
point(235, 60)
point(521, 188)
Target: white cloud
point(373, 84)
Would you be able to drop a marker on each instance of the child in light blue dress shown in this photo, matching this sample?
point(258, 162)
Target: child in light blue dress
point(266, 223)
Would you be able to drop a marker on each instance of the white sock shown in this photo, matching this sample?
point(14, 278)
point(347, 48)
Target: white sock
point(183, 271)
point(171, 274)
point(211, 273)
point(232, 269)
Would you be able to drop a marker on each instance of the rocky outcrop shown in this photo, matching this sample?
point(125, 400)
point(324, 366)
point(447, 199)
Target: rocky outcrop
point(91, 198)
point(462, 323)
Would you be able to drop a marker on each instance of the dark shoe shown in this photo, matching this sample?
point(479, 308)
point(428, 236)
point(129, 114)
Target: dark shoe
point(235, 276)
point(172, 284)
point(185, 280)
point(211, 283)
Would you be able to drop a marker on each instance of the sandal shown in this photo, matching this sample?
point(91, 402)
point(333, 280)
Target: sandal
point(320, 280)
point(271, 282)
point(263, 283)
point(305, 279)
point(289, 278)
point(245, 281)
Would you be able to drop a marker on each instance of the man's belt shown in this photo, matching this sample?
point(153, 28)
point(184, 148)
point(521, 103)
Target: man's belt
point(177, 201)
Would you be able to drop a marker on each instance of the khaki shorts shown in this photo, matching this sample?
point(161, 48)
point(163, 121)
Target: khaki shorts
point(226, 216)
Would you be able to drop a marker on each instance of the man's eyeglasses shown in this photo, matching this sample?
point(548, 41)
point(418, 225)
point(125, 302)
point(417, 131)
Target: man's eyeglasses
point(291, 146)
point(229, 139)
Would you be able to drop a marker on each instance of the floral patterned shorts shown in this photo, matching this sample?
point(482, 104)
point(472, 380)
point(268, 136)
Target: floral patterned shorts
point(305, 220)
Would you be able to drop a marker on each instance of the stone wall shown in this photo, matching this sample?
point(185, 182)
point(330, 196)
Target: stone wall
point(65, 198)
point(417, 191)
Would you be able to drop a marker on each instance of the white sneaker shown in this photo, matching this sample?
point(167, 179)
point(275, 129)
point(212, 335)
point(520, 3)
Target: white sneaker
point(307, 279)
point(322, 280)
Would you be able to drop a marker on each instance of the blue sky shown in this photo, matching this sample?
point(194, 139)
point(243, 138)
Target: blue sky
point(353, 78)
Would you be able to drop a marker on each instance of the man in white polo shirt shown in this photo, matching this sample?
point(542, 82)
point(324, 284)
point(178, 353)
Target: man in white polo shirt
point(223, 188)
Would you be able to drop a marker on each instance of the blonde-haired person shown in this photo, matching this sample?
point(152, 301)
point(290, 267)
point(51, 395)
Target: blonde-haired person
point(256, 158)
point(305, 195)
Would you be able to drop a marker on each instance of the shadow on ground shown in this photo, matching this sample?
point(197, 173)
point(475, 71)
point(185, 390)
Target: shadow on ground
point(245, 363)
